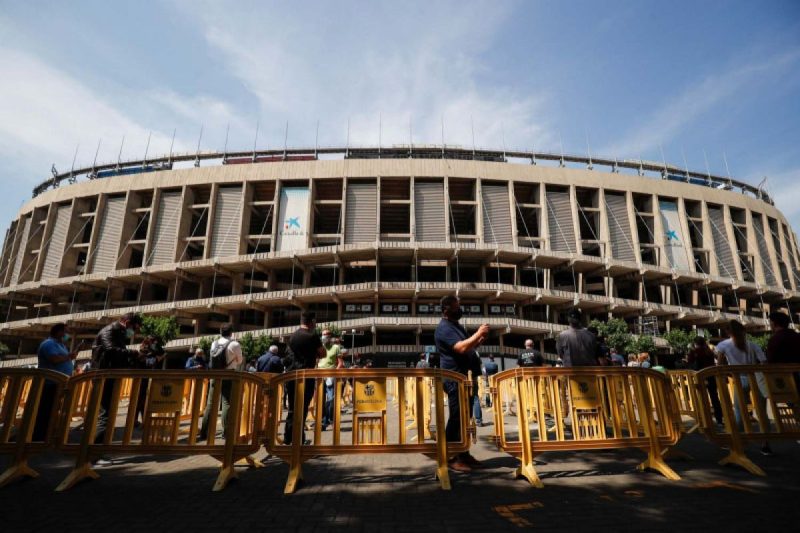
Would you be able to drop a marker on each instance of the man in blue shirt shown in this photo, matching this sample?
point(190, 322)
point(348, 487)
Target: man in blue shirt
point(53, 355)
point(456, 350)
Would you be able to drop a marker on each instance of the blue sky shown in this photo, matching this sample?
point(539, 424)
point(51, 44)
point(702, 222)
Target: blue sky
point(631, 77)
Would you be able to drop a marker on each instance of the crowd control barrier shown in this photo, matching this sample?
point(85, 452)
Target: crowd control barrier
point(375, 425)
point(173, 415)
point(684, 387)
point(29, 408)
point(759, 403)
point(585, 408)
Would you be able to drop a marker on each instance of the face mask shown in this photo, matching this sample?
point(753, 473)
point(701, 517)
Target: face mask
point(129, 333)
point(326, 340)
point(456, 315)
point(65, 338)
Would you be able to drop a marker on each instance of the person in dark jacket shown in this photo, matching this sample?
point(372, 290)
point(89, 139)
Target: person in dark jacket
point(699, 357)
point(110, 350)
point(270, 361)
point(151, 357)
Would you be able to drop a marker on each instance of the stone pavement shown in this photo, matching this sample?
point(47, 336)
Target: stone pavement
point(386, 493)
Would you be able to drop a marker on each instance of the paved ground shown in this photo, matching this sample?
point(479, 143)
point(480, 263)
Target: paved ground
point(587, 491)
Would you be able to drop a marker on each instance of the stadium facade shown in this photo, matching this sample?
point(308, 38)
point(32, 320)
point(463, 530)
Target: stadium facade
point(371, 239)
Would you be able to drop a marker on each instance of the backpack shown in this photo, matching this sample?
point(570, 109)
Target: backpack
point(219, 357)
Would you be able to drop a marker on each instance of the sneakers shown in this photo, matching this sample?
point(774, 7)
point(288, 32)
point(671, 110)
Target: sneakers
point(104, 461)
point(766, 450)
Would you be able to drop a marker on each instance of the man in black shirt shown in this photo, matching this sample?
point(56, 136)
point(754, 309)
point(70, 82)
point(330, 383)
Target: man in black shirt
point(530, 357)
point(306, 349)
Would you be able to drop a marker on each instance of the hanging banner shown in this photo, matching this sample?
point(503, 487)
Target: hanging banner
point(673, 235)
point(293, 228)
point(584, 393)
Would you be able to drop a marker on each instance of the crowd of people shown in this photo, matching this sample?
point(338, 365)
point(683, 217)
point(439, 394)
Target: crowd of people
point(456, 350)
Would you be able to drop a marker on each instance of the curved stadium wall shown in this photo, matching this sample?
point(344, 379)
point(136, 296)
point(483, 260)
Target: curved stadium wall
point(372, 240)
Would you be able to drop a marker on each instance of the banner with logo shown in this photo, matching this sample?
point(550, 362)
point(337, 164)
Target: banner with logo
point(782, 388)
point(165, 396)
point(293, 222)
point(370, 395)
point(673, 235)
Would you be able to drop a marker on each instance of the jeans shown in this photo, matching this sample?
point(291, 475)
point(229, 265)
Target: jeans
point(711, 385)
point(225, 400)
point(476, 408)
point(452, 432)
point(45, 412)
point(105, 407)
point(737, 408)
point(309, 393)
point(327, 413)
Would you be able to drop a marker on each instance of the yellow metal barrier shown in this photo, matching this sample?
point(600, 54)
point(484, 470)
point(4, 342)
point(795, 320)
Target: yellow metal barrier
point(29, 403)
point(766, 397)
point(374, 426)
point(684, 387)
point(587, 408)
point(167, 411)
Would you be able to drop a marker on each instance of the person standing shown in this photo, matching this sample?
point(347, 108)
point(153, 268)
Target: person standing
point(616, 358)
point(737, 350)
point(270, 362)
point(198, 361)
point(698, 358)
point(784, 344)
point(151, 357)
point(476, 366)
point(331, 359)
point(233, 361)
point(422, 363)
point(110, 351)
point(490, 368)
point(455, 349)
point(530, 357)
point(53, 355)
point(576, 346)
point(306, 348)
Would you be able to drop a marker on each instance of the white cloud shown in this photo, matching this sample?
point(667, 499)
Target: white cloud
point(678, 112)
point(417, 64)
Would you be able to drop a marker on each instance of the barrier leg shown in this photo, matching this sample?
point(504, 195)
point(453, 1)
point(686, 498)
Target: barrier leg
point(441, 442)
point(83, 468)
point(295, 461)
point(16, 471)
point(654, 460)
point(526, 468)
point(736, 455)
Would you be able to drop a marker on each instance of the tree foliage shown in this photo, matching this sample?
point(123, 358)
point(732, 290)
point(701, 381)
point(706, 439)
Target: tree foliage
point(760, 340)
point(616, 333)
point(679, 340)
point(641, 344)
point(3, 349)
point(165, 328)
point(205, 345)
point(253, 346)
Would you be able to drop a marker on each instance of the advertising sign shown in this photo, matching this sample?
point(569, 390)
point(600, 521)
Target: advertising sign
point(165, 396)
point(673, 235)
point(370, 395)
point(584, 393)
point(293, 228)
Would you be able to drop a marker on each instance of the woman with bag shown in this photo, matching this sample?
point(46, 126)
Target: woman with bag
point(737, 350)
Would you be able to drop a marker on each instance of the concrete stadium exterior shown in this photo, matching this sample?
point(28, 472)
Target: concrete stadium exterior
point(370, 239)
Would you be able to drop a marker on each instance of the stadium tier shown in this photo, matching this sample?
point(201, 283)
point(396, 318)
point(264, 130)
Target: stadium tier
point(371, 239)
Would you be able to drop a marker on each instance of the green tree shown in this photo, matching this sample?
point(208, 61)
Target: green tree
point(165, 328)
point(641, 344)
point(760, 340)
point(679, 340)
point(262, 344)
point(615, 331)
point(3, 349)
point(248, 343)
point(205, 345)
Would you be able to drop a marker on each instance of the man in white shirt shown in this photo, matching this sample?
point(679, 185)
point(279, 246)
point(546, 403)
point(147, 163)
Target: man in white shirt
point(234, 359)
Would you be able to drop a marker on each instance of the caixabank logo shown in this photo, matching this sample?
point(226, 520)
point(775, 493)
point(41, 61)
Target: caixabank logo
point(292, 226)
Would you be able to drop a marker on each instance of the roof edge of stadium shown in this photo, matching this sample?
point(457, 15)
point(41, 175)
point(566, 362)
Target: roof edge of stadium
point(667, 171)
